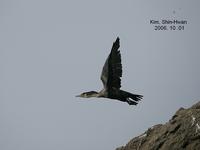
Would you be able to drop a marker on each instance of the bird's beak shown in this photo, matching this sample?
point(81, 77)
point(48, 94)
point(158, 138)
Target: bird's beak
point(78, 95)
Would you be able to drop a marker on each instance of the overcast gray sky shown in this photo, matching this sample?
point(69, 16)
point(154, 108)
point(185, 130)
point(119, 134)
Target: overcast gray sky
point(51, 51)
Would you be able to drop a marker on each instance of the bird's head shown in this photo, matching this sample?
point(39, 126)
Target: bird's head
point(88, 94)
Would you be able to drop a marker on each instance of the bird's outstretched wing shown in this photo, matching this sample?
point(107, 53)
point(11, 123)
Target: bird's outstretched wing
point(112, 69)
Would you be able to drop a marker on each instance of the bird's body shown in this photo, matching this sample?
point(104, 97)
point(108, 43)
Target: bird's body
point(110, 76)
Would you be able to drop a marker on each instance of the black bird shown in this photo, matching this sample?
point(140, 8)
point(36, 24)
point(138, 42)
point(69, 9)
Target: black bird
point(110, 76)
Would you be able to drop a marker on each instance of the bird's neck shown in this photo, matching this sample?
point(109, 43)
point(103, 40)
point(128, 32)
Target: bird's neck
point(92, 94)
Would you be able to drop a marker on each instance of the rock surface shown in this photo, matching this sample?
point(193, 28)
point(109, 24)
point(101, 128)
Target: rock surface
point(182, 132)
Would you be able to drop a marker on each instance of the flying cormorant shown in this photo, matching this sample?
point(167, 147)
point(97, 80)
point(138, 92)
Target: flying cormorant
point(110, 76)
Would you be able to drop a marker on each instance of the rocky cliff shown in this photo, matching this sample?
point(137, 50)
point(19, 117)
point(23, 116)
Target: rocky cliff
point(182, 132)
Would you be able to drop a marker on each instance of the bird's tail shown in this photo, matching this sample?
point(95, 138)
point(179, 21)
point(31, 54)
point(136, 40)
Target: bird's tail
point(131, 99)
